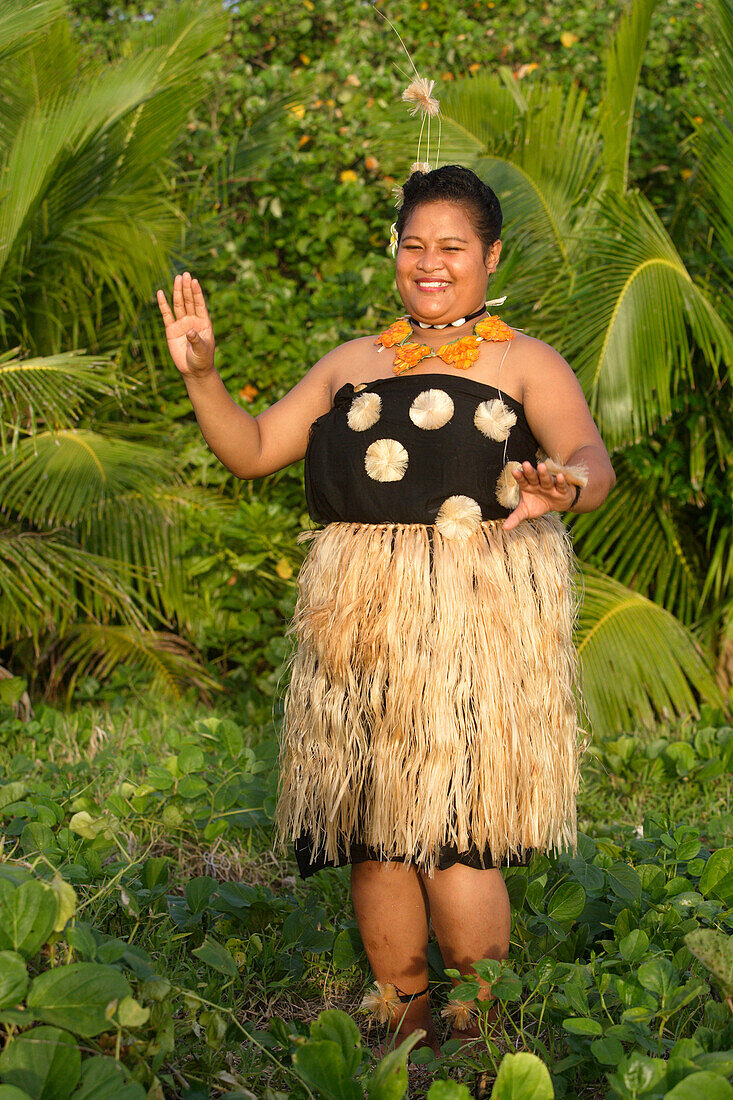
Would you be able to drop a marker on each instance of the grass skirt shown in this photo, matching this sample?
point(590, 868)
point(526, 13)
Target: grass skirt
point(431, 699)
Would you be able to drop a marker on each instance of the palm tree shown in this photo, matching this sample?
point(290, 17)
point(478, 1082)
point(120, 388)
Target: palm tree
point(593, 270)
point(89, 566)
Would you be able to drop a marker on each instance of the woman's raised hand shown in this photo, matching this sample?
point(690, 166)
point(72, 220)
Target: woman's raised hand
point(188, 327)
point(541, 492)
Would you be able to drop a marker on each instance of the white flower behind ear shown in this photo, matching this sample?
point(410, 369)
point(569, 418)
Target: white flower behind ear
point(431, 409)
point(386, 460)
point(364, 411)
point(458, 517)
point(494, 419)
point(508, 492)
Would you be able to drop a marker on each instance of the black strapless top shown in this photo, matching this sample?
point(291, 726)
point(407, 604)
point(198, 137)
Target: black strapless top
point(393, 450)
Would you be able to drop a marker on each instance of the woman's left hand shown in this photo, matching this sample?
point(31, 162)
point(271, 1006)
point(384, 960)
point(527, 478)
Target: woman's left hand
point(541, 492)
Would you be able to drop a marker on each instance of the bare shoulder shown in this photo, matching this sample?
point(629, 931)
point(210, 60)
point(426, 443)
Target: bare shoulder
point(536, 353)
point(541, 367)
point(349, 361)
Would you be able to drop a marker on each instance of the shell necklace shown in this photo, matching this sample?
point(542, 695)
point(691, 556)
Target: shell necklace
point(462, 352)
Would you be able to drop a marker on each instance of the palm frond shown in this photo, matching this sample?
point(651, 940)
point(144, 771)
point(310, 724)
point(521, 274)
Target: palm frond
point(637, 538)
point(626, 684)
point(49, 392)
point(91, 649)
point(629, 326)
point(478, 112)
point(84, 199)
point(623, 65)
point(66, 477)
point(45, 580)
point(22, 22)
point(537, 149)
point(713, 141)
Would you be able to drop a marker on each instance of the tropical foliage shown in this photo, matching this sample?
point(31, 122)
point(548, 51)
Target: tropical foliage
point(160, 540)
point(89, 534)
point(601, 277)
point(139, 884)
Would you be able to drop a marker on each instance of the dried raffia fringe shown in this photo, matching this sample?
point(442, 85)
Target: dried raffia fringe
point(431, 700)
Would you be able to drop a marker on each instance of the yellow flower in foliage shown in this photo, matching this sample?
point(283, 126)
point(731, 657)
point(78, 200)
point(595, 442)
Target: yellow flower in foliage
point(297, 109)
point(348, 176)
point(568, 39)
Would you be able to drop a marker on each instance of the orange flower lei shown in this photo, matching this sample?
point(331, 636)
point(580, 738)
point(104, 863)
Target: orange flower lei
point(462, 352)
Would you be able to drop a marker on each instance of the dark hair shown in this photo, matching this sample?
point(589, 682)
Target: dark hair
point(452, 183)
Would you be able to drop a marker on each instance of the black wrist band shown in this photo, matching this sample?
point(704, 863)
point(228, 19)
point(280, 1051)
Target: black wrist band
point(575, 499)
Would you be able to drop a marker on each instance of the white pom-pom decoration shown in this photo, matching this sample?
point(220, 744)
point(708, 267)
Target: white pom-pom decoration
point(494, 419)
point(386, 460)
point(458, 517)
point(431, 409)
point(364, 411)
point(507, 489)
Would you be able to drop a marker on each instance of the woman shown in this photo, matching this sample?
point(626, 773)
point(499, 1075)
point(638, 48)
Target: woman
point(430, 721)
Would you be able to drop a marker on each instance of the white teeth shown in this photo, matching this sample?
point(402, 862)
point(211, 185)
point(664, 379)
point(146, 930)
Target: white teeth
point(431, 284)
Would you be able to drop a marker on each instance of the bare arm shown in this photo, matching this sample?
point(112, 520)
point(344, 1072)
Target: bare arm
point(250, 447)
point(561, 422)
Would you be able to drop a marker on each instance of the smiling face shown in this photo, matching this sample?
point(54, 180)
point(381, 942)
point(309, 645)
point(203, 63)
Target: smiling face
point(441, 271)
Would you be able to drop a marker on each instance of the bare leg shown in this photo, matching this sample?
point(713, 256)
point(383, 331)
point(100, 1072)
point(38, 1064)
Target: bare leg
point(471, 919)
point(391, 911)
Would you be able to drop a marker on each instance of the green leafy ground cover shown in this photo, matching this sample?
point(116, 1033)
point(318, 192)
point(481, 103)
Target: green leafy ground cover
point(155, 942)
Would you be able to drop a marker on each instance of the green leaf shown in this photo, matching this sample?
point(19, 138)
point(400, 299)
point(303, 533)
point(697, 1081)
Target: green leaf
point(45, 1062)
point(567, 902)
point(715, 950)
point(448, 1090)
point(389, 1080)
point(106, 1079)
point(658, 976)
point(10, 1092)
point(717, 878)
point(625, 882)
point(608, 1050)
point(217, 957)
point(190, 759)
point(27, 916)
point(338, 1027)
point(521, 1076)
point(321, 1064)
point(709, 1085)
point(344, 955)
point(199, 892)
point(11, 690)
point(66, 900)
point(682, 757)
point(13, 979)
point(634, 947)
point(508, 986)
point(79, 997)
point(131, 1014)
point(582, 1025)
